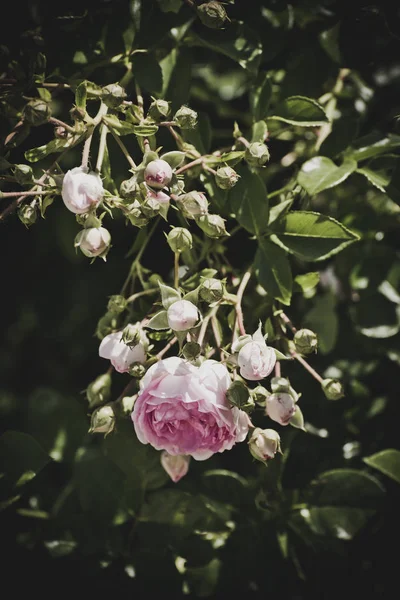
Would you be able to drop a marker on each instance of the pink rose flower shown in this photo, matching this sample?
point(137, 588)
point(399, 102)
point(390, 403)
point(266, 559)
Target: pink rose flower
point(183, 409)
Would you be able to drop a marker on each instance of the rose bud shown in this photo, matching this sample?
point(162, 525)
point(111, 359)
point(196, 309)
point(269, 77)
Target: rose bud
point(305, 341)
point(23, 174)
point(159, 110)
point(257, 154)
point(133, 334)
point(212, 14)
point(27, 214)
point(256, 360)
point(211, 290)
point(93, 242)
point(176, 466)
point(179, 239)
point(37, 112)
point(158, 173)
point(116, 304)
point(333, 389)
point(186, 118)
point(103, 420)
point(226, 178)
point(280, 407)
point(99, 390)
point(212, 225)
point(120, 354)
point(192, 204)
point(113, 95)
point(264, 444)
point(81, 190)
point(182, 315)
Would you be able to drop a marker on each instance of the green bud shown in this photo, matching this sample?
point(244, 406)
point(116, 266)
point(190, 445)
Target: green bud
point(23, 174)
point(260, 395)
point(106, 324)
point(150, 207)
point(186, 118)
point(37, 112)
point(238, 395)
point(99, 390)
point(137, 370)
point(257, 154)
point(193, 204)
point(129, 188)
point(88, 220)
point(159, 110)
point(179, 239)
point(226, 178)
point(113, 95)
point(103, 420)
point(191, 350)
point(116, 304)
point(211, 290)
point(281, 385)
point(135, 215)
point(264, 444)
point(27, 214)
point(305, 341)
point(127, 403)
point(132, 335)
point(212, 14)
point(212, 225)
point(333, 389)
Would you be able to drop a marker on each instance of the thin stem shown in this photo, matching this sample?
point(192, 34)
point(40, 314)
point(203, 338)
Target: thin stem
point(176, 270)
point(305, 364)
point(146, 145)
point(86, 150)
point(209, 169)
point(205, 323)
point(238, 306)
point(175, 135)
point(166, 348)
point(102, 147)
point(197, 161)
point(167, 123)
point(139, 98)
point(123, 149)
point(288, 322)
point(67, 127)
point(139, 256)
point(277, 369)
point(27, 193)
point(142, 293)
point(243, 141)
point(217, 335)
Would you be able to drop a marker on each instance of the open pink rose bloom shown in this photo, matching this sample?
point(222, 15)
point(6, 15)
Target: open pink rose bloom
point(183, 409)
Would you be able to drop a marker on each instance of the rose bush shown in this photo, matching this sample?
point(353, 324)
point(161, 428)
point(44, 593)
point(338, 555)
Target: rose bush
point(183, 409)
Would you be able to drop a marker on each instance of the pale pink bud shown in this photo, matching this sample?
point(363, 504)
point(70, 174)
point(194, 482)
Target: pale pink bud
point(159, 196)
point(120, 354)
point(158, 173)
point(176, 466)
point(256, 360)
point(81, 190)
point(182, 315)
point(264, 443)
point(94, 241)
point(280, 407)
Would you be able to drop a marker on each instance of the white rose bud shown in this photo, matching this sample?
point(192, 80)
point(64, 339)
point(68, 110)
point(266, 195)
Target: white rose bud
point(81, 190)
point(264, 443)
point(93, 242)
point(158, 173)
point(256, 360)
point(120, 354)
point(193, 204)
point(103, 420)
point(176, 466)
point(182, 315)
point(280, 407)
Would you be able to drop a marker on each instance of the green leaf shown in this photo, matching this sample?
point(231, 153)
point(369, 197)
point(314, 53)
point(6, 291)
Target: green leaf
point(273, 271)
point(387, 462)
point(168, 295)
point(203, 580)
point(379, 180)
point(259, 131)
point(200, 136)
point(297, 420)
point(260, 97)
point(145, 130)
point(344, 130)
point(120, 127)
point(174, 159)
point(300, 111)
point(306, 282)
point(238, 42)
point(170, 5)
point(232, 158)
point(159, 321)
point(248, 201)
point(338, 522)
point(320, 173)
point(225, 486)
point(275, 212)
point(21, 457)
point(311, 235)
point(375, 316)
point(147, 71)
point(345, 487)
point(81, 95)
point(323, 319)
point(373, 144)
point(57, 145)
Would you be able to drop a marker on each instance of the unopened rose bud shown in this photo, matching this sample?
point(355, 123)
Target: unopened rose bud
point(211, 290)
point(182, 315)
point(176, 466)
point(137, 370)
point(191, 350)
point(226, 178)
point(256, 360)
point(132, 334)
point(212, 14)
point(23, 174)
point(93, 242)
point(103, 420)
point(305, 341)
point(264, 444)
point(280, 407)
point(260, 395)
point(333, 389)
point(99, 390)
point(238, 395)
point(159, 110)
point(212, 225)
point(158, 173)
point(37, 112)
point(113, 95)
point(120, 354)
point(129, 188)
point(192, 204)
point(179, 239)
point(81, 191)
point(186, 118)
point(134, 213)
point(116, 304)
point(27, 214)
point(257, 154)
